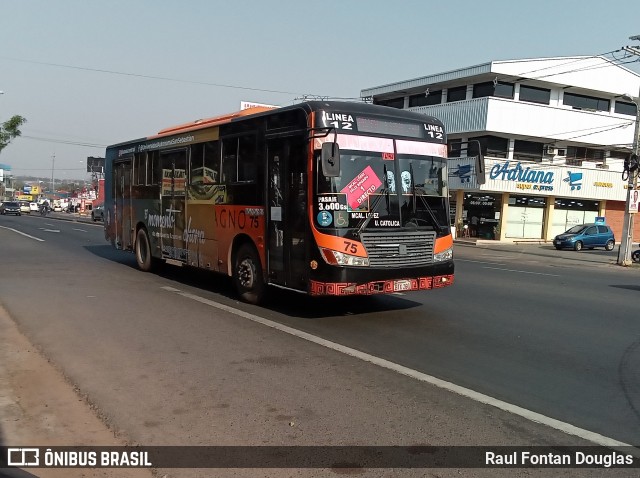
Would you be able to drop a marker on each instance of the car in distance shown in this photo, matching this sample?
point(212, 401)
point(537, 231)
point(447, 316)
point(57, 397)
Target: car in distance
point(97, 213)
point(10, 207)
point(586, 236)
point(33, 207)
point(24, 207)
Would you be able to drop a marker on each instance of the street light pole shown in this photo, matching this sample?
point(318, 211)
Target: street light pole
point(624, 253)
point(53, 164)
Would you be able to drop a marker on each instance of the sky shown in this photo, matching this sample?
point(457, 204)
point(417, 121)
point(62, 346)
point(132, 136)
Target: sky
point(86, 74)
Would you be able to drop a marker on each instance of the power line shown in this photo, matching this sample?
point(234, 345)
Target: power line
point(151, 77)
point(63, 141)
point(572, 61)
point(587, 68)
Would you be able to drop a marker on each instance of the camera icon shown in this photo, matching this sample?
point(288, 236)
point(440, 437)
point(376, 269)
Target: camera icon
point(23, 456)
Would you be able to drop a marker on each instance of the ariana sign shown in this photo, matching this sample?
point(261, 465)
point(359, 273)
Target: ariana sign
point(518, 173)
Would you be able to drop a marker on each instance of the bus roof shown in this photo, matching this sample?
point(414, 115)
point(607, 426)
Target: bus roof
point(308, 107)
point(214, 121)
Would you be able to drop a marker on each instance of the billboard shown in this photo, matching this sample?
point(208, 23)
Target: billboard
point(245, 105)
point(95, 165)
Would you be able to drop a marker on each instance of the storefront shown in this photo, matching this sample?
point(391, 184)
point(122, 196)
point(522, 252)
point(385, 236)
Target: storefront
point(570, 212)
point(481, 214)
point(531, 200)
point(525, 218)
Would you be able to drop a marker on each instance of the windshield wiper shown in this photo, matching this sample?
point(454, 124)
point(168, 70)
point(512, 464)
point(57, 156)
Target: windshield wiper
point(386, 188)
point(383, 192)
point(438, 226)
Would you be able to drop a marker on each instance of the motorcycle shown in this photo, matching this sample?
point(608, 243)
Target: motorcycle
point(44, 210)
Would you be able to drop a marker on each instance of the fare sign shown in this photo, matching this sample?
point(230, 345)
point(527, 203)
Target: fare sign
point(362, 186)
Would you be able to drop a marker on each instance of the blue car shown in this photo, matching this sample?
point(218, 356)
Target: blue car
point(586, 236)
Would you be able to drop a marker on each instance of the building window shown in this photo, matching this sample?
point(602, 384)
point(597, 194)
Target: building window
point(527, 201)
point(426, 99)
point(527, 150)
point(618, 155)
point(535, 95)
point(581, 204)
point(491, 146)
point(457, 94)
point(581, 102)
point(587, 154)
point(392, 102)
point(454, 146)
point(623, 108)
point(500, 89)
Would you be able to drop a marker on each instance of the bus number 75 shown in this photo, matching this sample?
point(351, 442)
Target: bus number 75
point(350, 247)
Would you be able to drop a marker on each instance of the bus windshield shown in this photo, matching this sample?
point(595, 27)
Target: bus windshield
point(407, 190)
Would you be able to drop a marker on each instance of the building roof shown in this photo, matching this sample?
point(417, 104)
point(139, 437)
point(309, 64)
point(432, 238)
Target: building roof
point(590, 73)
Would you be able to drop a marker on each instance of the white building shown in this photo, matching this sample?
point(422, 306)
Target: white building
point(554, 131)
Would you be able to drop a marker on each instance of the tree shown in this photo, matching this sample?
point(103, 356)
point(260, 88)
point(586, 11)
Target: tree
point(10, 129)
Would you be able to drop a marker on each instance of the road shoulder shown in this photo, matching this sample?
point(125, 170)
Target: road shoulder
point(38, 406)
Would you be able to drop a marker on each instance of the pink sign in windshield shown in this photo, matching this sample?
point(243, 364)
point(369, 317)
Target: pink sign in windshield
point(361, 187)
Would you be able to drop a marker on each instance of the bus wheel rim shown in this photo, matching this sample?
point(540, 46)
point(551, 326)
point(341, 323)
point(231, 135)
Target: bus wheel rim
point(246, 273)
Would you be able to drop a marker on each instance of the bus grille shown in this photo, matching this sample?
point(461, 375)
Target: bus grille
point(405, 249)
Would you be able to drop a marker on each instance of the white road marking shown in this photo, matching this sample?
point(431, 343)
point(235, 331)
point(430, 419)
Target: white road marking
point(522, 272)
point(22, 233)
point(481, 262)
point(49, 230)
point(423, 377)
point(81, 230)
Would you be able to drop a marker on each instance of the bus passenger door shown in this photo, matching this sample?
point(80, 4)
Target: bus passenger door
point(173, 203)
point(286, 212)
point(123, 225)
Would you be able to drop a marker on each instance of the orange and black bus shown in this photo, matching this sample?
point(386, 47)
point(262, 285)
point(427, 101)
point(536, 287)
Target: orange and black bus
point(326, 198)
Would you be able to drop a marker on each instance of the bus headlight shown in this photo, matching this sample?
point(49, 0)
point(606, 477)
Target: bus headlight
point(341, 259)
point(445, 255)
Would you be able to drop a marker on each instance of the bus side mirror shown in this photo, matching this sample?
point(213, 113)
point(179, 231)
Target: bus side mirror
point(481, 176)
point(330, 160)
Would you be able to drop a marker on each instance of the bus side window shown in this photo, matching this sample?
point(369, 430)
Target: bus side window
point(247, 159)
point(212, 161)
point(154, 168)
point(229, 160)
point(139, 169)
point(196, 169)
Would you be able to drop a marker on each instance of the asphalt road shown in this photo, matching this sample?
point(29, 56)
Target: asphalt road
point(166, 359)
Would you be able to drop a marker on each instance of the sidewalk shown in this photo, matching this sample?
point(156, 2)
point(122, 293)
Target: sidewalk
point(471, 241)
point(39, 406)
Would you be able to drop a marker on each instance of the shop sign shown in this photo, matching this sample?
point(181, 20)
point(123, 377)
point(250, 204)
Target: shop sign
point(540, 179)
point(527, 176)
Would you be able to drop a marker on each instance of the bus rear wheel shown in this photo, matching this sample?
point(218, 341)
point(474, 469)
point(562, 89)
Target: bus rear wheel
point(247, 275)
point(143, 251)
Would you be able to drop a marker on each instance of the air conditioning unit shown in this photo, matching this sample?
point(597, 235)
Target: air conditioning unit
point(551, 150)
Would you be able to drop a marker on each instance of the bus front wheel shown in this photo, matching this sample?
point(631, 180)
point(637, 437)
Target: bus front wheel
point(247, 275)
point(143, 251)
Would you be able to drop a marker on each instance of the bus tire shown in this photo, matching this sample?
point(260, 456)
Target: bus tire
point(247, 275)
point(143, 251)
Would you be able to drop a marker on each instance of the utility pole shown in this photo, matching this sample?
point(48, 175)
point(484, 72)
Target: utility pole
point(53, 165)
point(624, 253)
